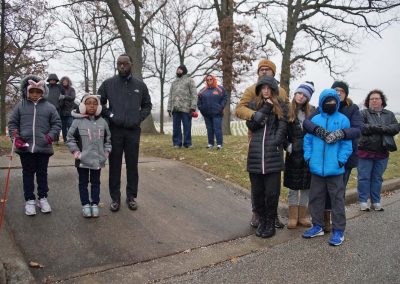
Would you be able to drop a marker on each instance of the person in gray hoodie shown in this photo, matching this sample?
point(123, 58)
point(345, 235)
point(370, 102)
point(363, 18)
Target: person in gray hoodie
point(33, 125)
point(89, 140)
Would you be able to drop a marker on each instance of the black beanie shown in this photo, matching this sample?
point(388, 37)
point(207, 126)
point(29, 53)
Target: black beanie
point(342, 85)
point(183, 68)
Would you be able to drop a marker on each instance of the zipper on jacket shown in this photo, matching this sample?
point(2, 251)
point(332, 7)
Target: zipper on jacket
point(263, 150)
point(323, 156)
point(89, 135)
point(34, 126)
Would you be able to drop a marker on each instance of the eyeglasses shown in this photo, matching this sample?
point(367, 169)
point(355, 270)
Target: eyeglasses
point(209, 80)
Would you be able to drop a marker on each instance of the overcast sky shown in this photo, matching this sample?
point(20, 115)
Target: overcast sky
point(377, 65)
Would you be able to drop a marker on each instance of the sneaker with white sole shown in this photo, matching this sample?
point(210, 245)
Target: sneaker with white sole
point(30, 207)
point(337, 238)
point(44, 205)
point(364, 206)
point(219, 147)
point(86, 211)
point(377, 207)
point(315, 231)
point(95, 211)
point(209, 146)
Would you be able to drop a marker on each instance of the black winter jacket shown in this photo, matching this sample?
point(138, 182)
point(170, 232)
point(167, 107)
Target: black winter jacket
point(265, 154)
point(376, 126)
point(129, 101)
point(297, 174)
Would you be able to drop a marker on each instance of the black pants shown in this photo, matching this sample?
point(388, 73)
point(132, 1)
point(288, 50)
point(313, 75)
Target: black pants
point(265, 191)
point(34, 164)
point(124, 141)
point(86, 175)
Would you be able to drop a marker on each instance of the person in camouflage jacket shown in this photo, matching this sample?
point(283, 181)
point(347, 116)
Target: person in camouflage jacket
point(181, 106)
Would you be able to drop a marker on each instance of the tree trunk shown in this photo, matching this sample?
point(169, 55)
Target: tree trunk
point(226, 26)
point(133, 48)
point(3, 79)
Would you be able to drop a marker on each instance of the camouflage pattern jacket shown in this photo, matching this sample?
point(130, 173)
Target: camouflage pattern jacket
point(182, 95)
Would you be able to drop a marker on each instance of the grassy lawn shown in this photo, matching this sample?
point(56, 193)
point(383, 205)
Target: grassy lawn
point(228, 163)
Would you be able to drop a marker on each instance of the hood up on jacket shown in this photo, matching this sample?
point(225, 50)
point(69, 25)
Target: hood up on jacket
point(24, 85)
point(267, 80)
point(66, 78)
point(324, 95)
point(53, 77)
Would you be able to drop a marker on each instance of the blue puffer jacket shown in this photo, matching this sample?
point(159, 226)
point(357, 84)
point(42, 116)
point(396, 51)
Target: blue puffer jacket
point(211, 100)
point(324, 158)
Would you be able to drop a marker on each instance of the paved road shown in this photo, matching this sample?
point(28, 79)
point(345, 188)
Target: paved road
point(370, 254)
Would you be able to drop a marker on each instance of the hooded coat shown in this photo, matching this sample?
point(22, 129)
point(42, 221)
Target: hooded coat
point(34, 120)
point(324, 158)
point(67, 98)
point(54, 91)
point(265, 153)
point(212, 99)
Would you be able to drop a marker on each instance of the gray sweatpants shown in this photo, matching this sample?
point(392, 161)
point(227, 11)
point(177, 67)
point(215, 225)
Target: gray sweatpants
point(334, 186)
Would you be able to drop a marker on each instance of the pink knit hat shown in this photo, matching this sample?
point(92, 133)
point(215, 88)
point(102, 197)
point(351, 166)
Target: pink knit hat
point(33, 85)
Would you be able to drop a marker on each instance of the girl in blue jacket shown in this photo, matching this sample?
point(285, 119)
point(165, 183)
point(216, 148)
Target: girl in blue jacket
point(326, 162)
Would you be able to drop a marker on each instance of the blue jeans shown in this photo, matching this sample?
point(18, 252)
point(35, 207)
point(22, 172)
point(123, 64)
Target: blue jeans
point(84, 175)
point(66, 122)
point(34, 164)
point(214, 127)
point(186, 120)
point(370, 178)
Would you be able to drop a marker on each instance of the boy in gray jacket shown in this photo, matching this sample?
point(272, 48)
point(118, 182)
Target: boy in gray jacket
point(89, 140)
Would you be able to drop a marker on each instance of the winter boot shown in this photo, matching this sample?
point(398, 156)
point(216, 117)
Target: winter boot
point(278, 223)
point(255, 220)
point(269, 230)
point(304, 220)
point(293, 217)
point(327, 222)
point(261, 227)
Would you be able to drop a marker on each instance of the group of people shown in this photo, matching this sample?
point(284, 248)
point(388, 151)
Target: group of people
point(322, 147)
point(322, 144)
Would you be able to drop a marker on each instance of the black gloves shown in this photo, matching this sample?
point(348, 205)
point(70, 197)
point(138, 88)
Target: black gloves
point(259, 117)
point(320, 132)
point(334, 136)
point(266, 108)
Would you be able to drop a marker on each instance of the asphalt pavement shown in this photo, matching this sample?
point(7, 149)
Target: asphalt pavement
point(189, 227)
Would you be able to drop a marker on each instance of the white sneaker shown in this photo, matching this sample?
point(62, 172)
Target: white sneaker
point(377, 207)
point(219, 147)
point(30, 207)
point(86, 211)
point(44, 205)
point(364, 206)
point(209, 146)
point(95, 211)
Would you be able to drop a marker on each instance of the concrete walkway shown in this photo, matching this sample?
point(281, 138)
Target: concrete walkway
point(186, 220)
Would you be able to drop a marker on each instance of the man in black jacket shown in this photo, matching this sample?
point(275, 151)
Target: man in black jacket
point(129, 104)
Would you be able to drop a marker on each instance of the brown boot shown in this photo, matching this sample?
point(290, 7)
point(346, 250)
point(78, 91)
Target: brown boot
point(327, 222)
point(304, 220)
point(293, 217)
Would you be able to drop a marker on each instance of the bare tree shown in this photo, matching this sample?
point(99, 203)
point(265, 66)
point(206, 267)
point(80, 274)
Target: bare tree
point(134, 46)
point(318, 31)
point(89, 24)
point(24, 45)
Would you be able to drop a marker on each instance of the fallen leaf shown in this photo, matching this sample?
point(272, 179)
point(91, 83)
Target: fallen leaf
point(205, 164)
point(234, 260)
point(187, 251)
point(34, 264)
point(210, 179)
point(181, 158)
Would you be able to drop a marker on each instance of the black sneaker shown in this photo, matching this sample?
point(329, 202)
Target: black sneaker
point(132, 204)
point(114, 206)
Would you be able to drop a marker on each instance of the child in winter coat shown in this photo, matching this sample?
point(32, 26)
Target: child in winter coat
point(326, 162)
point(36, 124)
point(89, 140)
point(297, 176)
point(265, 156)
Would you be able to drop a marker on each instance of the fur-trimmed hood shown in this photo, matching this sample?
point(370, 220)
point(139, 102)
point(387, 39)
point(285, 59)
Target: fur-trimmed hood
point(24, 84)
point(65, 78)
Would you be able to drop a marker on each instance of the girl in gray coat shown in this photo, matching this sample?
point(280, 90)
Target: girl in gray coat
point(36, 125)
point(89, 140)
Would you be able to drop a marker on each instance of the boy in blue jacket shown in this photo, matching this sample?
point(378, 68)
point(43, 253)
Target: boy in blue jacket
point(326, 162)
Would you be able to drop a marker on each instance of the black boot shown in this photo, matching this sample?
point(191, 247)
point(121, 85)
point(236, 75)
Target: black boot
point(278, 224)
point(261, 227)
point(269, 230)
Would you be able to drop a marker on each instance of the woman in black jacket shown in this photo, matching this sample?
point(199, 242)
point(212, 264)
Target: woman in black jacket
point(297, 176)
point(265, 156)
point(380, 125)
